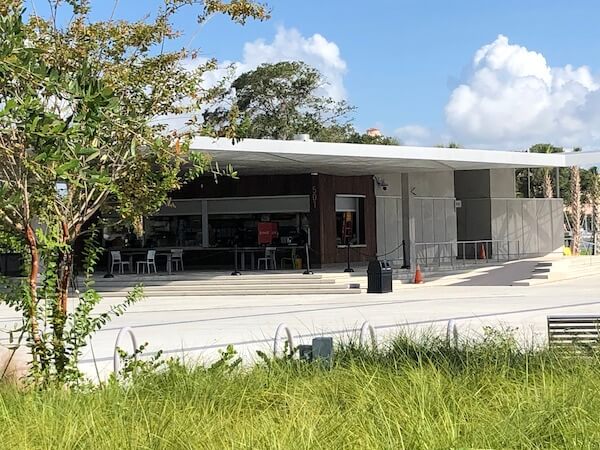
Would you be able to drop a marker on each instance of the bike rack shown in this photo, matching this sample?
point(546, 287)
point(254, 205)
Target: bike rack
point(116, 358)
point(366, 326)
point(280, 329)
point(452, 333)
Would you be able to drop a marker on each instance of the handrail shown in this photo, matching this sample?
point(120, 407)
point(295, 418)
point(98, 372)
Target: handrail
point(449, 251)
point(366, 326)
point(280, 328)
point(116, 356)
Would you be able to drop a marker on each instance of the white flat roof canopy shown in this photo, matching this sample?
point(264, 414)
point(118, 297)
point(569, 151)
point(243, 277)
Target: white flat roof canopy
point(266, 156)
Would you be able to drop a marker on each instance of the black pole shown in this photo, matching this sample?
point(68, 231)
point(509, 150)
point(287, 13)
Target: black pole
point(348, 268)
point(108, 273)
point(235, 272)
point(307, 271)
point(405, 263)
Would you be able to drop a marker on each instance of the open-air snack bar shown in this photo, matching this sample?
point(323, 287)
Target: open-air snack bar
point(255, 223)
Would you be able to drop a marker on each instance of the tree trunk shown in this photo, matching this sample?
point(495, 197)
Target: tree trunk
point(548, 188)
point(65, 261)
point(595, 202)
point(32, 281)
point(576, 209)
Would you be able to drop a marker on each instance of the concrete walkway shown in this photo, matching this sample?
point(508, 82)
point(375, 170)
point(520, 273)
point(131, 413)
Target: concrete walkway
point(197, 327)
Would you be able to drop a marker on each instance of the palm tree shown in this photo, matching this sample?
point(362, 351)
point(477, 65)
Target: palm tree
point(594, 199)
point(576, 209)
point(548, 188)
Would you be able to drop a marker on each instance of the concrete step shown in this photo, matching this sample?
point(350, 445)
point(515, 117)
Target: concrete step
point(242, 291)
point(233, 281)
point(212, 287)
point(134, 278)
point(537, 279)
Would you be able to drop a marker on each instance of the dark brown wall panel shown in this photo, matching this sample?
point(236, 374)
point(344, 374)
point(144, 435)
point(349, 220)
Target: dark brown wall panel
point(329, 187)
point(246, 186)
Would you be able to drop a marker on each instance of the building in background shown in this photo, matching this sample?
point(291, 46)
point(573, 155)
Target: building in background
point(359, 200)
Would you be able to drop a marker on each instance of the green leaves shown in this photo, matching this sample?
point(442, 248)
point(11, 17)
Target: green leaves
point(78, 107)
point(277, 101)
point(67, 167)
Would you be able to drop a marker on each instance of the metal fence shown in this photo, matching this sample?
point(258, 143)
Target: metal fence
point(463, 252)
point(588, 244)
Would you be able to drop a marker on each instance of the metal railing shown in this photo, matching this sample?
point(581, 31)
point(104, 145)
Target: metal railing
point(589, 245)
point(460, 252)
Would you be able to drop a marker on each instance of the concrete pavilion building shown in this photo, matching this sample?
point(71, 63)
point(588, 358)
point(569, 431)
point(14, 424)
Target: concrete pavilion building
point(443, 203)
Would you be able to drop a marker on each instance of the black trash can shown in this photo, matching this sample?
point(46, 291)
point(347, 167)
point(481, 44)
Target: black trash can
point(379, 276)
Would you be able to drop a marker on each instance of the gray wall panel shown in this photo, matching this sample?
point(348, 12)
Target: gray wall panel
point(530, 227)
point(544, 225)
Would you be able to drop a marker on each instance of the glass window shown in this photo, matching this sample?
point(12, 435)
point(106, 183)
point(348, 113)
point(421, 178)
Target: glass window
point(168, 231)
point(349, 213)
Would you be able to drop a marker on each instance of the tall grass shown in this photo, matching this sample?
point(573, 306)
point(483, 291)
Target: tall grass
point(411, 395)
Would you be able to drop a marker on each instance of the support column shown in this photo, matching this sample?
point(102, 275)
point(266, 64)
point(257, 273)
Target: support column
point(205, 241)
point(408, 220)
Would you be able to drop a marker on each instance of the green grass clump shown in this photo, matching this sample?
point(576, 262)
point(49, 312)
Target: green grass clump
point(413, 394)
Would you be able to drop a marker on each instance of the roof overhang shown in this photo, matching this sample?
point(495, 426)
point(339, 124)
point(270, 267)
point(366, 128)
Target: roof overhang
point(264, 156)
point(582, 159)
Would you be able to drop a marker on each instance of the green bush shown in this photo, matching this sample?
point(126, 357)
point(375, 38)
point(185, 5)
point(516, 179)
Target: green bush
point(412, 394)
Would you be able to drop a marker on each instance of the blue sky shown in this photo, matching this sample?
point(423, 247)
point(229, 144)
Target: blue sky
point(408, 65)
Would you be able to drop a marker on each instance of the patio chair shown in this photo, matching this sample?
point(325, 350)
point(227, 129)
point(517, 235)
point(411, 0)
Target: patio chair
point(149, 263)
point(177, 258)
point(116, 260)
point(269, 259)
point(291, 259)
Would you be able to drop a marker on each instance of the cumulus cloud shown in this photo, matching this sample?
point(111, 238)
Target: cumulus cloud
point(290, 45)
point(513, 97)
point(413, 135)
point(287, 45)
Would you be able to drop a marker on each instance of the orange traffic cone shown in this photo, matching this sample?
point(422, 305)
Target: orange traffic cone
point(418, 276)
point(482, 252)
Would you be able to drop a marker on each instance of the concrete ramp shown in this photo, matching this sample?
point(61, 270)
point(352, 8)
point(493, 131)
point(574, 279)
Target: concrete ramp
point(501, 274)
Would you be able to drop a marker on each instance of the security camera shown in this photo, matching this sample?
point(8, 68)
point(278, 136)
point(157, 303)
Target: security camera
point(381, 183)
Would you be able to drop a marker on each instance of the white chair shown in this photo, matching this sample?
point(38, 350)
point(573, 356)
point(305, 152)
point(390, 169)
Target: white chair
point(115, 257)
point(177, 258)
point(269, 259)
point(149, 263)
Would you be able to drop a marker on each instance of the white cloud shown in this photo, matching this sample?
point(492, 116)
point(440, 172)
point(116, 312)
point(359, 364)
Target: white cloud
point(514, 98)
point(290, 45)
point(413, 135)
point(287, 45)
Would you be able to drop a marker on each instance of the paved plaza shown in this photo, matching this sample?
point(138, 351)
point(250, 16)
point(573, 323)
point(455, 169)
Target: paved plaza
point(197, 327)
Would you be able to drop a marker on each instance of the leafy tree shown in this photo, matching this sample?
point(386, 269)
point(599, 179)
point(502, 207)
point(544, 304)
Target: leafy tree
point(78, 133)
point(278, 101)
point(357, 138)
point(450, 144)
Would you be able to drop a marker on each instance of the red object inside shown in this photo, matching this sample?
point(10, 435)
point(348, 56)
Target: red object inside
point(267, 232)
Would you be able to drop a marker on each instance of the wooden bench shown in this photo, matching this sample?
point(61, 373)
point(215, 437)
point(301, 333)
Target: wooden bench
point(579, 333)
